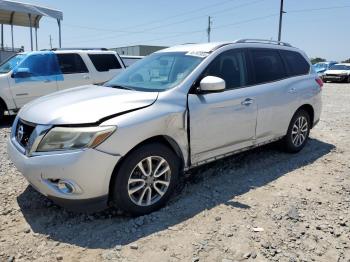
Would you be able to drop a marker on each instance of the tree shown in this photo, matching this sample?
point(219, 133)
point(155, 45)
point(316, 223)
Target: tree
point(346, 61)
point(317, 60)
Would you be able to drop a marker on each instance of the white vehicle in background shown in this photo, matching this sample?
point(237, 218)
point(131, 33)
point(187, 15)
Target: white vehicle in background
point(338, 73)
point(30, 75)
point(130, 59)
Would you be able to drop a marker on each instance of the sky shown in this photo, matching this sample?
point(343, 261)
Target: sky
point(319, 27)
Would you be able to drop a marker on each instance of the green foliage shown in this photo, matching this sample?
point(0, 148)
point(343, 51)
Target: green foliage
point(346, 61)
point(317, 60)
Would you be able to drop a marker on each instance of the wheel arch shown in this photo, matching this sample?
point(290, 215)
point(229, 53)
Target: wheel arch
point(310, 110)
point(3, 104)
point(162, 139)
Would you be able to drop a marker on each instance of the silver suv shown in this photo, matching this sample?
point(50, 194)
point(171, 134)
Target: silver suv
point(127, 144)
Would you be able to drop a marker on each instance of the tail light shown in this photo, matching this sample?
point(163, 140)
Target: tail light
point(319, 82)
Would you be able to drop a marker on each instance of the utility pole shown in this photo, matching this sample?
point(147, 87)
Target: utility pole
point(209, 28)
point(50, 42)
point(280, 24)
point(2, 36)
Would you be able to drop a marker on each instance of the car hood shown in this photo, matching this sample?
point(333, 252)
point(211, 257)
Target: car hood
point(84, 105)
point(337, 72)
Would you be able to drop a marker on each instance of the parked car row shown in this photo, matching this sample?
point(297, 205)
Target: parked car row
point(126, 143)
point(333, 71)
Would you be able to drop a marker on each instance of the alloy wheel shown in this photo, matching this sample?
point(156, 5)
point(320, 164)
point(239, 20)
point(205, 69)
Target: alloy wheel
point(149, 181)
point(299, 131)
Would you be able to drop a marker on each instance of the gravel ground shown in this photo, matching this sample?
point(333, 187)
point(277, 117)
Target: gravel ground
point(262, 205)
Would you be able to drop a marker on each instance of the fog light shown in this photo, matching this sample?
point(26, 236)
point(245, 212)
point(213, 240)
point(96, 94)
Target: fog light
point(65, 187)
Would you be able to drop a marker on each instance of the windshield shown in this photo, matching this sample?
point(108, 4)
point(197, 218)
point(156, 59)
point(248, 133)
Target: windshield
point(157, 72)
point(321, 66)
point(340, 67)
point(11, 63)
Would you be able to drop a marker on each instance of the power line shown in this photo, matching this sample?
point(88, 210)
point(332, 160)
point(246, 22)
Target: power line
point(123, 30)
point(236, 23)
point(216, 28)
point(318, 9)
point(145, 31)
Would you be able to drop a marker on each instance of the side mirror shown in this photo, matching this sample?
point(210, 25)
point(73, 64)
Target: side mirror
point(21, 73)
point(212, 84)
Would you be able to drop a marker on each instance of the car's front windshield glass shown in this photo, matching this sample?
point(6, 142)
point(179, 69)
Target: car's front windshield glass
point(157, 72)
point(320, 66)
point(11, 63)
point(340, 67)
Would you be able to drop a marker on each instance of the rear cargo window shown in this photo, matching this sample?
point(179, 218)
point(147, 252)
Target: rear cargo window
point(71, 64)
point(104, 62)
point(268, 65)
point(296, 63)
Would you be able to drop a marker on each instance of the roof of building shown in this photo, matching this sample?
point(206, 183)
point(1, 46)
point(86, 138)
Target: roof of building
point(16, 13)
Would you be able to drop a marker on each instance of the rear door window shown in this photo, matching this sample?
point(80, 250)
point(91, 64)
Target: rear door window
point(296, 63)
point(104, 62)
point(71, 64)
point(268, 65)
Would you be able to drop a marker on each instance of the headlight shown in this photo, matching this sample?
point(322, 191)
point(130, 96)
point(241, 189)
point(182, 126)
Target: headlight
point(70, 138)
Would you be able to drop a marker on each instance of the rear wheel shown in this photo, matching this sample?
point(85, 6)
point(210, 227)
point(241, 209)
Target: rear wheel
point(2, 113)
point(298, 132)
point(146, 179)
point(348, 79)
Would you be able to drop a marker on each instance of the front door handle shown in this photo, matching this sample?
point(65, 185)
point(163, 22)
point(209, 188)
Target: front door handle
point(47, 81)
point(86, 77)
point(247, 102)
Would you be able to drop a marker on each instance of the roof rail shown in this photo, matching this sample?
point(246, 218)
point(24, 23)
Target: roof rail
point(80, 48)
point(263, 41)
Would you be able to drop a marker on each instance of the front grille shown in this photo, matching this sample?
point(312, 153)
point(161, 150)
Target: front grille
point(332, 75)
point(23, 132)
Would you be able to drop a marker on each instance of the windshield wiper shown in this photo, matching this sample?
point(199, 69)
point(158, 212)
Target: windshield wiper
point(120, 87)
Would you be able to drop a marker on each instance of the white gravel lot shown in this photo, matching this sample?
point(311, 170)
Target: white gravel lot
point(262, 205)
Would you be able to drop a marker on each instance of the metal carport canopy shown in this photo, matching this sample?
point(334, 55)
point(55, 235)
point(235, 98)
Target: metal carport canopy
point(23, 14)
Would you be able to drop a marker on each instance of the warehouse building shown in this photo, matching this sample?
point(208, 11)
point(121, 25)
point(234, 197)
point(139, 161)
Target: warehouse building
point(138, 50)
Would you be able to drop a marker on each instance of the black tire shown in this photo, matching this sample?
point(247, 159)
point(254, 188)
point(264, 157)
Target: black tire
point(120, 184)
point(348, 80)
point(288, 144)
point(2, 113)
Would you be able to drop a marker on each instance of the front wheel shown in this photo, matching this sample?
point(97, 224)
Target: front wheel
point(298, 132)
point(146, 179)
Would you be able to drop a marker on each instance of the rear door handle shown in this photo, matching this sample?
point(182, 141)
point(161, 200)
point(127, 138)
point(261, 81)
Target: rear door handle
point(292, 90)
point(86, 77)
point(47, 81)
point(247, 102)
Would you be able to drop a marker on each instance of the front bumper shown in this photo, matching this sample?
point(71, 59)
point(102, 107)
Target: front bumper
point(89, 169)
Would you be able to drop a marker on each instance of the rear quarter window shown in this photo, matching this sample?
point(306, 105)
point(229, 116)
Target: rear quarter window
point(296, 63)
point(104, 62)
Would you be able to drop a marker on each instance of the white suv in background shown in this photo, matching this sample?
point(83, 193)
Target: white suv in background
point(27, 76)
